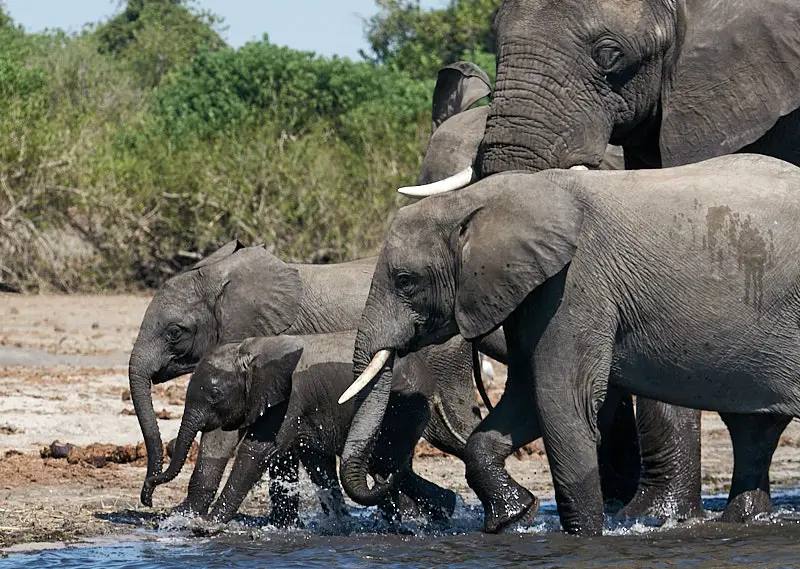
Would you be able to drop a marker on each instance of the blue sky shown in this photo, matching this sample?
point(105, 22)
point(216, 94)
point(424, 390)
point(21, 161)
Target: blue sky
point(325, 26)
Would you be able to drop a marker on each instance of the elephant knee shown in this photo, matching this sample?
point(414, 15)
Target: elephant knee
point(484, 450)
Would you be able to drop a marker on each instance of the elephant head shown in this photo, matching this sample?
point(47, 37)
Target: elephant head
point(458, 128)
point(233, 387)
point(235, 293)
point(673, 81)
point(450, 266)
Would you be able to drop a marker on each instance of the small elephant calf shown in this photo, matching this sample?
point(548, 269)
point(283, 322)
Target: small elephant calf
point(282, 392)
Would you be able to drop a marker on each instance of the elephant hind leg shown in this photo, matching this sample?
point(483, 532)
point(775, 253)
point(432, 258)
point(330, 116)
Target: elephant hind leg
point(669, 439)
point(321, 470)
point(283, 479)
point(431, 499)
point(754, 439)
point(619, 457)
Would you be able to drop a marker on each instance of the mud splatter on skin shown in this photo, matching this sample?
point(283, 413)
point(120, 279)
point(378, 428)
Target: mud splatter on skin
point(736, 248)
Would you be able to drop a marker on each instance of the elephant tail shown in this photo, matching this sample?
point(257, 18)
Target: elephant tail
point(476, 372)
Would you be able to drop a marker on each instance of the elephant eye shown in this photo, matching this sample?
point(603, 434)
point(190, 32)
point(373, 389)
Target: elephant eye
point(174, 333)
point(608, 54)
point(403, 281)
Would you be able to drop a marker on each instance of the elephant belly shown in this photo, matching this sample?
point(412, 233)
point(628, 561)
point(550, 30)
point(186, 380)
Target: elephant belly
point(704, 371)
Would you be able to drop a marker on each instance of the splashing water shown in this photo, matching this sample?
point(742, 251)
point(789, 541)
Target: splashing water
point(364, 539)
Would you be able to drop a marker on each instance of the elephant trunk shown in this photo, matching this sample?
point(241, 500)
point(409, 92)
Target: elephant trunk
point(190, 426)
point(364, 430)
point(531, 126)
point(140, 377)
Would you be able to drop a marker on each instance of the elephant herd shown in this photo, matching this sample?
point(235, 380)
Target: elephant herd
point(620, 220)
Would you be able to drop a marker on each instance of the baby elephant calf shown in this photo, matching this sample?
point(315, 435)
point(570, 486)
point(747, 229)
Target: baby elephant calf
point(281, 393)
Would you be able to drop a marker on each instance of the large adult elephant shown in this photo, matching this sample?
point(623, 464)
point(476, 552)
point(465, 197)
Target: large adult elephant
point(240, 292)
point(671, 82)
point(679, 284)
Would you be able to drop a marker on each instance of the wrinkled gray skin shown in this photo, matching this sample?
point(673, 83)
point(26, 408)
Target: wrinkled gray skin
point(678, 285)
point(240, 292)
point(670, 81)
point(283, 391)
point(457, 129)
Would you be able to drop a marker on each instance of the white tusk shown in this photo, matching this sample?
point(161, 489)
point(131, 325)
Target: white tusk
point(579, 167)
point(366, 376)
point(454, 182)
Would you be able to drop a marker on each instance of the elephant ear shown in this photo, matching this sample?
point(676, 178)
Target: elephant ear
point(458, 87)
point(507, 248)
point(225, 251)
point(268, 365)
point(737, 73)
point(257, 294)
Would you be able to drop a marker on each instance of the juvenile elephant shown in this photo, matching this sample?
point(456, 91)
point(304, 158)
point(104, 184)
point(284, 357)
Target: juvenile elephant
point(282, 391)
point(679, 285)
point(240, 292)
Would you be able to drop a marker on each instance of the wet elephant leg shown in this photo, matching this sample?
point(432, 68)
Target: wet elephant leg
point(216, 448)
point(754, 439)
point(283, 491)
point(248, 468)
point(618, 454)
point(322, 471)
point(670, 446)
point(510, 425)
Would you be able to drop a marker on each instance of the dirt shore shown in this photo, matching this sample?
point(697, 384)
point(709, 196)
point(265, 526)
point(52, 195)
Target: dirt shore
point(63, 377)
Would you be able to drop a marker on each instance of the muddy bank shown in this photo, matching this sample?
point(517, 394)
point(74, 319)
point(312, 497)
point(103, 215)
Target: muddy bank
point(74, 391)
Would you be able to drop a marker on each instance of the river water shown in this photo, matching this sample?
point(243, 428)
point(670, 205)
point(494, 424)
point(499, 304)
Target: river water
point(363, 542)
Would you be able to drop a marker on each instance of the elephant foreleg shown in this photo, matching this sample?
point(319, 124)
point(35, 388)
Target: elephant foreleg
point(510, 425)
point(322, 471)
point(249, 467)
point(669, 486)
point(754, 439)
point(216, 448)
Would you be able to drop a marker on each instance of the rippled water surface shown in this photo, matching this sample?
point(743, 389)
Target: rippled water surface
point(363, 542)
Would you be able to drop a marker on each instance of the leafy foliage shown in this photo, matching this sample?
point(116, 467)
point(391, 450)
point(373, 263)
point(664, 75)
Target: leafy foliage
point(155, 36)
point(291, 89)
point(420, 42)
point(127, 155)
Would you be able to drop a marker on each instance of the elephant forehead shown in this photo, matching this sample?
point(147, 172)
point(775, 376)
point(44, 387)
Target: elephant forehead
point(222, 359)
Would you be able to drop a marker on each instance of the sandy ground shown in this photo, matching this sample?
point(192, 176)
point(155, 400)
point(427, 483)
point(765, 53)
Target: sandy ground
point(63, 377)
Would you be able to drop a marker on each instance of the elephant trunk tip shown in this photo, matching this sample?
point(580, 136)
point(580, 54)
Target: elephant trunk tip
point(354, 481)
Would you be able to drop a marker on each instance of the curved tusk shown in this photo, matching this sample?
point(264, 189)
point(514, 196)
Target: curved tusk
point(579, 167)
point(378, 360)
point(454, 182)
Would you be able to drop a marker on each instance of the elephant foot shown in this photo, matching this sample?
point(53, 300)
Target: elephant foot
point(662, 503)
point(444, 508)
point(193, 506)
point(206, 527)
point(499, 516)
point(746, 506)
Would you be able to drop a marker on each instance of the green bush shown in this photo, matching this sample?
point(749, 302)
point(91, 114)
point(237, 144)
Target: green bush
point(291, 89)
point(137, 145)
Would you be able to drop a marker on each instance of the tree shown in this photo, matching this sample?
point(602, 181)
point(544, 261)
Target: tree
point(419, 42)
point(156, 36)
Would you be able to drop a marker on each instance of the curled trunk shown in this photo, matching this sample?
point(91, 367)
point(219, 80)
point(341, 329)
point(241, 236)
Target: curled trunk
point(190, 426)
point(364, 431)
point(140, 378)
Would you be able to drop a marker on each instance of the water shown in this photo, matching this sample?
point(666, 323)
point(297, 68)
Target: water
point(364, 542)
